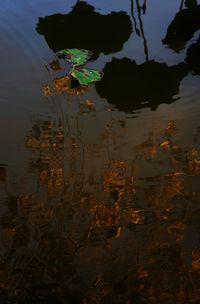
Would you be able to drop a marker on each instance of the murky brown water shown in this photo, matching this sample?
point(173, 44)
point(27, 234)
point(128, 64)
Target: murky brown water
point(99, 185)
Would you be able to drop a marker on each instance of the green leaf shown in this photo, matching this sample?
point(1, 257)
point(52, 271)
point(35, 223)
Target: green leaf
point(86, 76)
point(75, 56)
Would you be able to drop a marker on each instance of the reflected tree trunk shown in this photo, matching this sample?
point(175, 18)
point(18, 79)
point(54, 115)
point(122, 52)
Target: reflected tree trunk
point(146, 52)
point(133, 17)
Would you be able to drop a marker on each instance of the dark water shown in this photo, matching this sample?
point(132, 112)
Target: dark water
point(99, 185)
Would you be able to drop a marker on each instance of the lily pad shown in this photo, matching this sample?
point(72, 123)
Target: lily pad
point(75, 56)
point(86, 76)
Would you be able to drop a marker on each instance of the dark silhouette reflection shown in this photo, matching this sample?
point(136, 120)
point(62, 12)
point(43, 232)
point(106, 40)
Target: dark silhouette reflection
point(131, 87)
point(144, 7)
point(85, 28)
point(183, 27)
point(193, 58)
point(146, 52)
point(190, 3)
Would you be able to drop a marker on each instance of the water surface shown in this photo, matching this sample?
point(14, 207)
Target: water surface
point(99, 185)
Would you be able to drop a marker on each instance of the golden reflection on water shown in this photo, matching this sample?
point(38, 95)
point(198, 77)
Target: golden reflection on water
point(116, 234)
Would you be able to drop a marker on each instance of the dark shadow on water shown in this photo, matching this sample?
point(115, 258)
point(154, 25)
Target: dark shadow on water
point(85, 28)
point(193, 58)
point(130, 86)
point(183, 26)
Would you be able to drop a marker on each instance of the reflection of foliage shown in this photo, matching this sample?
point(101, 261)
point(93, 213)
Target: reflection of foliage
point(183, 27)
point(193, 58)
point(181, 30)
point(86, 29)
point(139, 86)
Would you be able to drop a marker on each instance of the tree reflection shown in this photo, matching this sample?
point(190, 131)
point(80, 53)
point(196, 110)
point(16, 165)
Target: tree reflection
point(183, 27)
point(146, 52)
point(139, 86)
point(154, 82)
point(193, 58)
point(85, 28)
point(105, 227)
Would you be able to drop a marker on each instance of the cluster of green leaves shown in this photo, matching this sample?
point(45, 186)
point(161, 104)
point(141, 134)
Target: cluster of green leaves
point(78, 58)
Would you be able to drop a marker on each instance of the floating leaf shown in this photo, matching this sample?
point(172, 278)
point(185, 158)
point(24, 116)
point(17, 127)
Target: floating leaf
point(75, 56)
point(86, 76)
